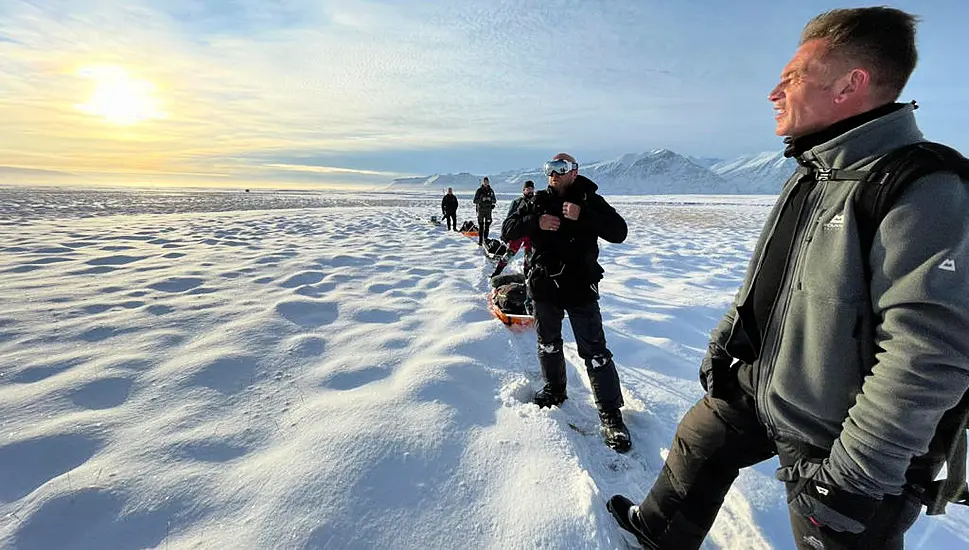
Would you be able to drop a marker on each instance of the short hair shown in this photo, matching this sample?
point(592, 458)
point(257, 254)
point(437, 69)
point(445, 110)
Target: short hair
point(882, 39)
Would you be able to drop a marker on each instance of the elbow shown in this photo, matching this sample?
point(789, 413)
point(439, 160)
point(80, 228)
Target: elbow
point(618, 236)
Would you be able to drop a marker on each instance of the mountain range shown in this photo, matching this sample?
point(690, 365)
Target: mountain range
point(657, 172)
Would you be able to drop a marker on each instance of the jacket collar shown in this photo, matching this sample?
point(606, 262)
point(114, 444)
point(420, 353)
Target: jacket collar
point(863, 142)
point(579, 188)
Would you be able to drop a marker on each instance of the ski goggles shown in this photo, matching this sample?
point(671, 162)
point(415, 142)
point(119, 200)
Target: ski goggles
point(560, 166)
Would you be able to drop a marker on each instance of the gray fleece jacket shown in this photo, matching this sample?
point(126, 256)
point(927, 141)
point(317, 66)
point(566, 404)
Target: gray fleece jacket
point(819, 378)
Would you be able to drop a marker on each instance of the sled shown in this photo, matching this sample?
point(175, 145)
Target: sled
point(473, 234)
point(509, 319)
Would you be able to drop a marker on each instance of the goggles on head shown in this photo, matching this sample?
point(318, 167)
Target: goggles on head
point(560, 167)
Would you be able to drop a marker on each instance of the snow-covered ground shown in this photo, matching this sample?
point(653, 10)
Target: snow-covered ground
point(188, 369)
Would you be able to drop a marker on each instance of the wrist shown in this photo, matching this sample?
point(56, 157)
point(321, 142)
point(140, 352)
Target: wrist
point(847, 474)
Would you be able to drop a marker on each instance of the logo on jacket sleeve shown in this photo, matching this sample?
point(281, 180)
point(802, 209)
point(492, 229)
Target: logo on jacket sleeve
point(948, 265)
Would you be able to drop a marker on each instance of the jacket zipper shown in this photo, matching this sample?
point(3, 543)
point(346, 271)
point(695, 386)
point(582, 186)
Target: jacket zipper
point(814, 228)
point(767, 366)
point(760, 260)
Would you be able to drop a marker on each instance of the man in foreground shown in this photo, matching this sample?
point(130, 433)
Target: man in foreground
point(839, 357)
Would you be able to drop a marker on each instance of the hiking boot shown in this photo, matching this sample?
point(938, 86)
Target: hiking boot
point(617, 436)
point(627, 514)
point(547, 397)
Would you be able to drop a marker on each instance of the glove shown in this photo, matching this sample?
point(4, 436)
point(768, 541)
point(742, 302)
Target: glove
point(715, 366)
point(816, 497)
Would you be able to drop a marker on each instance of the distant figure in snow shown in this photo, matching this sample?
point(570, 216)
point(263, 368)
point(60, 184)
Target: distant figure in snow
point(846, 356)
point(564, 224)
point(528, 193)
point(449, 207)
point(484, 203)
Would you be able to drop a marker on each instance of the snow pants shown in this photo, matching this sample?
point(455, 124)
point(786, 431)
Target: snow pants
point(713, 441)
point(484, 226)
point(586, 321)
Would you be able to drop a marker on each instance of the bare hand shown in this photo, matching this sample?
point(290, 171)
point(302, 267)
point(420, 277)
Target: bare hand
point(571, 211)
point(549, 223)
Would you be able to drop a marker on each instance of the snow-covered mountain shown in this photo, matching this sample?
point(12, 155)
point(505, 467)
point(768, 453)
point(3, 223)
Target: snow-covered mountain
point(658, 172)
point(438, 182)
point(705, 162)
point(758, 174)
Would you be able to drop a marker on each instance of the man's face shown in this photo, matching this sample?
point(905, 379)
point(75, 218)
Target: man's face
point(804, 100)
point(562, 181)
point(528, 192)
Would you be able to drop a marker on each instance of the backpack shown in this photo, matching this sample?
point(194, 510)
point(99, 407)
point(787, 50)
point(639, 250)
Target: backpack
point(469, 226)
point(495, 247)
point(510, 298)
point(881, 186)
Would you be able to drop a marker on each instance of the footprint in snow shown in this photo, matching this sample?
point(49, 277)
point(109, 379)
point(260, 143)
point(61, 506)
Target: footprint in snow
point(176, 284)
point(308, 313)
point(376, 315)
point(302, 278)
point(346, 381)
point(227, 375)
point(101, 518)
point(28, 464)
point(106, 393)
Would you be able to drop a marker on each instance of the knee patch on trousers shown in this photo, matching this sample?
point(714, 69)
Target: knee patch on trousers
point(599, 361)
point(554, 348)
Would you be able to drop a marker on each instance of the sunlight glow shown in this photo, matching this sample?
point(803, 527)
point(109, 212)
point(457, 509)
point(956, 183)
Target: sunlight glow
point(119, 98)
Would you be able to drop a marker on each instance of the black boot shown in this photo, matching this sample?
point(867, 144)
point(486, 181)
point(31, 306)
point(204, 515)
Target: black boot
point(548, 397)
point(617, 436)
point(627, 514)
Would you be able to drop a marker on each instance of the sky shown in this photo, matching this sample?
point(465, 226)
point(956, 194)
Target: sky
point(357, 93)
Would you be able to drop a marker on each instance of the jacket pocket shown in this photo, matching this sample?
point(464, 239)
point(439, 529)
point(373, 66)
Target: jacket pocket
point(831, 267)
point(818, 369)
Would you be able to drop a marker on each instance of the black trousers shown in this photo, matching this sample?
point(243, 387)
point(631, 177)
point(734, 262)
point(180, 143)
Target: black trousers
point(452, 219)
point(713, 441)
point(484, 225)
point(586, 322)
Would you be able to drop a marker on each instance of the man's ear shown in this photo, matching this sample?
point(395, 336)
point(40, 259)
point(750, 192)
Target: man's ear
point(857, 81)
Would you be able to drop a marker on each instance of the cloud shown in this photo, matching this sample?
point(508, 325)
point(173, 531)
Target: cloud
point(350, 79)
point(332, 170)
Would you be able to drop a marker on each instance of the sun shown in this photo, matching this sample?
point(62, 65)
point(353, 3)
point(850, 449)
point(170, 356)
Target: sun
point(119, 98)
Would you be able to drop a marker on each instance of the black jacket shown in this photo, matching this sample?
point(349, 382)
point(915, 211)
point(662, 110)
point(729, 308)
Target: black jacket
point(485, 200)
point(517, 203)
point(565, 263)
point(449, 204)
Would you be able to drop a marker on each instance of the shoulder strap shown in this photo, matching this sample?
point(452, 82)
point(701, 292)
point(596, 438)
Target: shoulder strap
point(880, 188)
point(891, 175)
